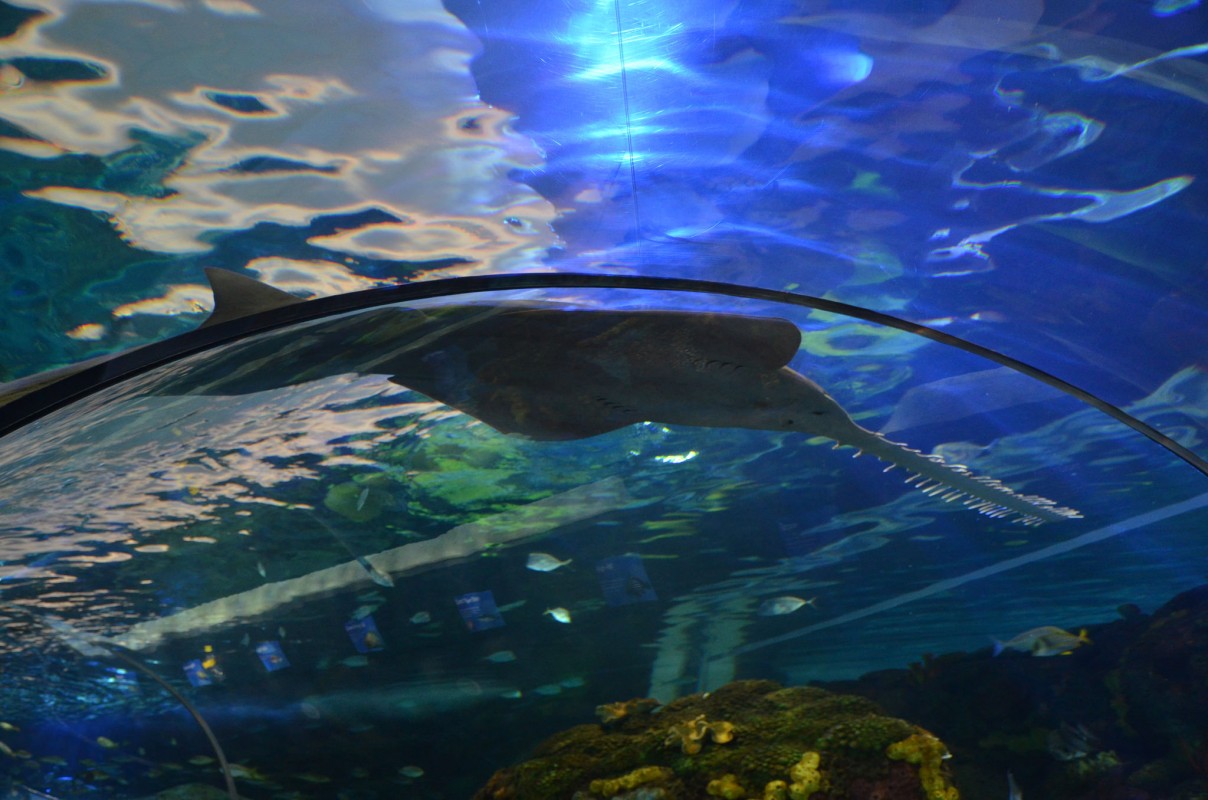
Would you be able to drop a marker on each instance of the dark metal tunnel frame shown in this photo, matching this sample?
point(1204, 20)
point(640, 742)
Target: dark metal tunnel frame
point(35, 405)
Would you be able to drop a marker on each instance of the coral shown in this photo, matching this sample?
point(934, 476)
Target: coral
point(690, 735)
point(753, 740)
point(927, 753)
point(726, 787)
point(807, 777)
point(1093, 766)
point(776, 790)
point(631, 780)
point(868, 732)
point(611, 713)
point(722, 732)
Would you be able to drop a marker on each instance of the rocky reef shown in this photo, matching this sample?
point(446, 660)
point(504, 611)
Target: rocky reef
point(1124, 718)
point(751, 740)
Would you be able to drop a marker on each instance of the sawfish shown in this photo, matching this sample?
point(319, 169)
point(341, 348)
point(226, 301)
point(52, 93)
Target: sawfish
point(556, 372)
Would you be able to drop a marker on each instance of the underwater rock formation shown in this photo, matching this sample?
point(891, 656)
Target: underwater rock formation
point(1123, 719)
point(749, 740)
point(1160, 688)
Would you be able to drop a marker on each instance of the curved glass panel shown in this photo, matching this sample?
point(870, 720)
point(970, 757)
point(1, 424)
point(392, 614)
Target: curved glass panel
point(361, 544)
point(193, 559)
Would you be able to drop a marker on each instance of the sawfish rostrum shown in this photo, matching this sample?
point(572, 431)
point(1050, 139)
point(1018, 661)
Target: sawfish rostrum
point(553, 372)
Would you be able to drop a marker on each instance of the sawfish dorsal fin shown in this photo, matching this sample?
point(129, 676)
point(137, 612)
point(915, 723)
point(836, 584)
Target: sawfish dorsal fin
point(237, 296)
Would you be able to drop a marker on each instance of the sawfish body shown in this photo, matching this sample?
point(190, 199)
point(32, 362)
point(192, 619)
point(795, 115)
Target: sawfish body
point(560, 373)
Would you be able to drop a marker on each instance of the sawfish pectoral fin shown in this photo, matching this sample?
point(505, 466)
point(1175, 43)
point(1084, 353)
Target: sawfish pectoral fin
point(951, 482)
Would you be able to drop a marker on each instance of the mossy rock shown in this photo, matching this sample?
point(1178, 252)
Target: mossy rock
point(765, 733)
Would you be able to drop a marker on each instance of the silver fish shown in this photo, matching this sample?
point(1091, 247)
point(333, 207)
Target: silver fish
point(559, 614)
point(544, 562)
point(786, 604)
point(364, 611)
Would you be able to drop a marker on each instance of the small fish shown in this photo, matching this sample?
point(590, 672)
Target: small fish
point(362, 497)
point(260, 568)
point(544, 562)
point(8, 726)
point(201, 761)
point(8, 751)
point(786, 604)
point(355, 661)
point(1013, 792)
point(106, 742)
point(311, 777)
point(1044, 641)
point(363, 611)
point(512, 694)
point(501, 657)
point(421, 618)
point(244, 772)
point(411, 771)
point(548, 690)
point(559, 614)
point(573, 682)
point(375, 574)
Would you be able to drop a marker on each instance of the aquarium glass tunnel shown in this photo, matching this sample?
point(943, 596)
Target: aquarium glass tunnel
point(604, 399)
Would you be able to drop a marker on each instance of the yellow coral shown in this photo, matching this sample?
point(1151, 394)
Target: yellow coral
point(806, 776)
point(928, 753)
point(632, 780)
point(776, 790)
point(726, 787)
point(690, 734)
point(721, 732)
point(612, 712)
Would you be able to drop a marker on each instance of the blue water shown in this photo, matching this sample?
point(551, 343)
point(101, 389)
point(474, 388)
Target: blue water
point(1023, 176)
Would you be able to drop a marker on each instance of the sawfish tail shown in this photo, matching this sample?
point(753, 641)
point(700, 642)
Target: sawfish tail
point(953, 482)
